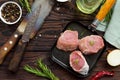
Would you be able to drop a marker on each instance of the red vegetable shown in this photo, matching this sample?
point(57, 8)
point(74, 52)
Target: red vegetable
point(100, 74)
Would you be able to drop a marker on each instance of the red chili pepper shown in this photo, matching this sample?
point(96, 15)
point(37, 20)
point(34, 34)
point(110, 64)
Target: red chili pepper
point(100, 74)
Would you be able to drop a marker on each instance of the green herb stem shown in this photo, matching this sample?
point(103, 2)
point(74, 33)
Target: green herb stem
point(43, 72)
point(25, 4)
point(46, 70)
point(21, 2)
point(109, 15)
point(34, 71)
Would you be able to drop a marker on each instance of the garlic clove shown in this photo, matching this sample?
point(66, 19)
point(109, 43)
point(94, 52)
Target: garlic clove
point(113, 58)
point(62, 0)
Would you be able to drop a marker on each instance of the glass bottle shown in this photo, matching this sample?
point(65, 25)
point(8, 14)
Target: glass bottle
point(88, 6)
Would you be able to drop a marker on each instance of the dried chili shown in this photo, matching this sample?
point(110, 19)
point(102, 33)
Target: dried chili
point(100, 74)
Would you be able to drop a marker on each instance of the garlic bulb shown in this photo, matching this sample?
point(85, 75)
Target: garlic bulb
point(113, 58)
point(62, 0)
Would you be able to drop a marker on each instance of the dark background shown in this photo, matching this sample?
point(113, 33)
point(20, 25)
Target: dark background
point(40, 46)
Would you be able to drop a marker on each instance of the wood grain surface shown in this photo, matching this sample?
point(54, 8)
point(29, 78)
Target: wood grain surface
point(40, 46)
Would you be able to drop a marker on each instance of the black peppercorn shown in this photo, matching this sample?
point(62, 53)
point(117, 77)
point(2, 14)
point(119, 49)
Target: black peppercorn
point(10, 12)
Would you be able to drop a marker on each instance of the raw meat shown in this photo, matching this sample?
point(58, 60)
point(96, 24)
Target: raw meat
point(91, 44)
point(78, 63)
point(68, 41)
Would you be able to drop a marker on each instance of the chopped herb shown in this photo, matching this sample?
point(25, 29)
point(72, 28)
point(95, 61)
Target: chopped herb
point(76, 61)
point(91, 43)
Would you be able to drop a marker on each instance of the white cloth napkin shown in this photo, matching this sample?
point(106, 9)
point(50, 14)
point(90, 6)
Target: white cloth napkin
point(112, 33)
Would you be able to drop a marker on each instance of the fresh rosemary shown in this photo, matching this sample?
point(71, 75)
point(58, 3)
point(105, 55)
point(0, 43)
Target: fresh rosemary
point(109, 15)
point(25, 4)
point(43, 70)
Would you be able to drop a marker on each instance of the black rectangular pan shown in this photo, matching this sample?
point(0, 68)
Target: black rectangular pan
point(62, 57)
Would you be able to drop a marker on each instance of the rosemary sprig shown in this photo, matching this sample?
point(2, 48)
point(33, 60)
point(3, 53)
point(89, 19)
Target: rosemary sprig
point(34, 71)
point(82, 33)
point(25, 4)
point(43, 72)
point(109, 15)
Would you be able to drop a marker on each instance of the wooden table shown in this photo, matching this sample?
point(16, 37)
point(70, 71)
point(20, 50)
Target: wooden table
point(40, 46)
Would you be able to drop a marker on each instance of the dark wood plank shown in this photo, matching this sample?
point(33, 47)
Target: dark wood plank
point(40, 46)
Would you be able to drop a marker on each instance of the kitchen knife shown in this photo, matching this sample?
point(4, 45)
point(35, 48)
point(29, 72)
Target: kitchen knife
point(46, 7)
point(25, 39)
point(102, 14)
point(4, 50)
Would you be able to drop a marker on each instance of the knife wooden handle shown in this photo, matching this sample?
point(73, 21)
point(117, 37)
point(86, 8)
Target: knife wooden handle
point(105, 9)
point(4, 50)
point(17, 57)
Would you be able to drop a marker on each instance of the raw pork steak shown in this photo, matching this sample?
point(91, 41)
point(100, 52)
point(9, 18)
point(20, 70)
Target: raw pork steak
point(78, 63)
point(68, 41)
point(91, 44)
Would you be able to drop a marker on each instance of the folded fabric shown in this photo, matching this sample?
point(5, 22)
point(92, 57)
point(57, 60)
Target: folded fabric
point(112, 33)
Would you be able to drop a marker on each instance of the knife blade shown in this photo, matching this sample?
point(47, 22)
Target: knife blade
point(46, 7)
point(101, 15)
point(23, 41)
point(4, 50)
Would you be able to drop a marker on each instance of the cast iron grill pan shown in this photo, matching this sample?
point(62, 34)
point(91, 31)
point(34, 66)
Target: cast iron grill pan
point(62, 58)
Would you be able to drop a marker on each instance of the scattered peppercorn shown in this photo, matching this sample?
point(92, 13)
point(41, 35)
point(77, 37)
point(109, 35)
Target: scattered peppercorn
point(10, 12)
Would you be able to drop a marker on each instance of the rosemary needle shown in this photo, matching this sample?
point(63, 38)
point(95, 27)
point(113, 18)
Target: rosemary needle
point(25, 4)
point(109, 15)
point(43, 72)
point(34, 71)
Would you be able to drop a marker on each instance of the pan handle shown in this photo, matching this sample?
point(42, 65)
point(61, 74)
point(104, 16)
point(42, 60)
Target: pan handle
point(105, 9)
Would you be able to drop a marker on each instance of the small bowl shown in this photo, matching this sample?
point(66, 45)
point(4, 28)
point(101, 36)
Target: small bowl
point(62, 0)
point(10, 12)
